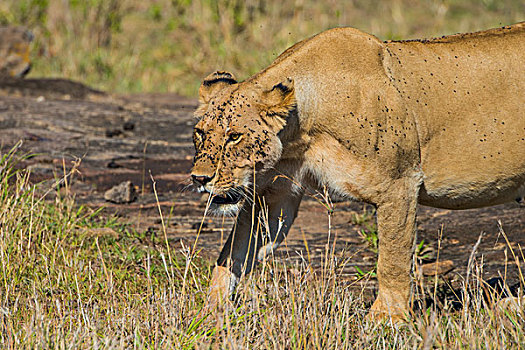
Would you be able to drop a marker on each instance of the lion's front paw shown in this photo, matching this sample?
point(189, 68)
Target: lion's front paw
point(222, 284)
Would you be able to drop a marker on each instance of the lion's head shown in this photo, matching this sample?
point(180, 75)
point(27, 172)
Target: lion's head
point(237, 136)
point(14, 51)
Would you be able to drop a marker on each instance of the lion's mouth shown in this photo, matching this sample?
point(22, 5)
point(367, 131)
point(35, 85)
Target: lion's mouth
point(228, 198)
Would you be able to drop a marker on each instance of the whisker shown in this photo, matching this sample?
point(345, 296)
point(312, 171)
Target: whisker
point(188, 187)
point(242, 193)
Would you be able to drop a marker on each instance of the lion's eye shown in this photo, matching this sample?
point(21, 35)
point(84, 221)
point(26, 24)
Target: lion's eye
point(234, 137)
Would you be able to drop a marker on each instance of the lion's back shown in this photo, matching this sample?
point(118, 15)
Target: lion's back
point(466, 92)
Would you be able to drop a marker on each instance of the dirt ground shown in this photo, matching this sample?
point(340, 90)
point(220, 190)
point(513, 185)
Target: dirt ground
point(148, 136)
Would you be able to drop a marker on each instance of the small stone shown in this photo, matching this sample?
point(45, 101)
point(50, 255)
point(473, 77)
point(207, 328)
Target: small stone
point(113, 133)
point(128, 126)
point(113, 165)
point(438, 267)
point(120, 194)
point(197, 225)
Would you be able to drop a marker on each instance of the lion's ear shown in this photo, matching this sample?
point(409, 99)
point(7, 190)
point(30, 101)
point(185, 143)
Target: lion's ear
point(279, 102)
point(213, 83)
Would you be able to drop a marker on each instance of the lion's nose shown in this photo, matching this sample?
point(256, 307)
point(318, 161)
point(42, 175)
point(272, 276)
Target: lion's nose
point(201, 180)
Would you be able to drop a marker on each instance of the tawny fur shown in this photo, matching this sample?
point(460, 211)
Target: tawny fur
point(439, 122)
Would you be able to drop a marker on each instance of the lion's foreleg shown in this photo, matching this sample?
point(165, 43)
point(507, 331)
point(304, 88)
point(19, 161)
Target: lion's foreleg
point(233, 256)
point(396, 220)
point(281, 213)
point(250, 241)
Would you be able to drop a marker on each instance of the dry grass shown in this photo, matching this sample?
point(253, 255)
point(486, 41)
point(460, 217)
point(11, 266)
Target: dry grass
point(170, 45)
point(66, 283)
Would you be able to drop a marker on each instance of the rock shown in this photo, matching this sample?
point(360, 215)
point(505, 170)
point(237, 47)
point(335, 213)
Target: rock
point(14, 51)
point(497, 287)
point(197, 225)
point(113, 165)
point(123, 193)
point(128, 126)
point(438, 267)
point(49, 89)
point(113, 132)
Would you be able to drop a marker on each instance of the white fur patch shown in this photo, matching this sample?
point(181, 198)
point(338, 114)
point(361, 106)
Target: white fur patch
point(234, 280)
point(225, 209)
point(266, 250)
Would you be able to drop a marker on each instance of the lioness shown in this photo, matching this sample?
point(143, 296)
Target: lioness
point(438, 122)
point(14, 52)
